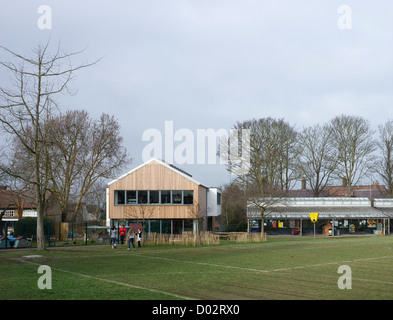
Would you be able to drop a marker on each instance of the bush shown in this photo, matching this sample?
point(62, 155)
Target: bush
point(241, 227)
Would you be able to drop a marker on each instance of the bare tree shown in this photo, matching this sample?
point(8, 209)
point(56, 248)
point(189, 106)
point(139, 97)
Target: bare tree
point(317, 161)
point(83, 150)
point(35, 83)
point(96, 196)
point(384, 163)
point(198, 212)
point(79, 152)
point(140, 212)
point(273, 153)
point(353, 144)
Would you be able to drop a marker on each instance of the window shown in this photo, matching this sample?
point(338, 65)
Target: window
point(188, 225)
point(10, 213)
point(176, 197)
point(131, 197)
point(120, 197)
point(154, 197)
point(188, 197)
point(142, 197)
point(165, 197)
point(218, 199)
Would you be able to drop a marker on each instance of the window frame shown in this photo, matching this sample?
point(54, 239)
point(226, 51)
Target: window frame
point(180, 194)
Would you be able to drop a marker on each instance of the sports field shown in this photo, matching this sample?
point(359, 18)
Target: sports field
point(282, 268)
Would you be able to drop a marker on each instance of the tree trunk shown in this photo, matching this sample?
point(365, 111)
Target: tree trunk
point(40, 214)
point(263, 235)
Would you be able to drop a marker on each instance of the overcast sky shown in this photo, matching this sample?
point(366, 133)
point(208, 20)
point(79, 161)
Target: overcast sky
point(208, 63)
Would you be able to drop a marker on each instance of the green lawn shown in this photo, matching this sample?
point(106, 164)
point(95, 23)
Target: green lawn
point(282, 268)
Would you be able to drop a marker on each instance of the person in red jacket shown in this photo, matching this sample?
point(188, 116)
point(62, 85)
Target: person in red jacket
point(122, 232)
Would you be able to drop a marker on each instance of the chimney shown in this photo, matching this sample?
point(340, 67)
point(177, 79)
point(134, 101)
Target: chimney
point(304, 183)
point(344, 181)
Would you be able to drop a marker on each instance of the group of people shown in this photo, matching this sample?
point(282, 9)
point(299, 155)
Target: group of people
point(131, 234)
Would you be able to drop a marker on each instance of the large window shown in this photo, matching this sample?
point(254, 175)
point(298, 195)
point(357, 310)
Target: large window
point(176, 197)
point(165, 197)
point(154, 197)
point(142, 197)
point(188, 197)
point(131, 197)
point(120, 197)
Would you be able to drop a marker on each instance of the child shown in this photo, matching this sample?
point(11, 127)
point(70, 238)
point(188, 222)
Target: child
point(113, 237)
point(131, 236)
point(122, 231)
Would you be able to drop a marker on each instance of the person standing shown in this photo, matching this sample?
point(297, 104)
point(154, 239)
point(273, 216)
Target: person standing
point(131, 236)
point(122, 232)
point(113, 236)
point(139, 238)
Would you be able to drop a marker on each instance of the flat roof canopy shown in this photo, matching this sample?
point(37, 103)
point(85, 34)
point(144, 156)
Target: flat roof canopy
point(328, 208)
point(324, 213)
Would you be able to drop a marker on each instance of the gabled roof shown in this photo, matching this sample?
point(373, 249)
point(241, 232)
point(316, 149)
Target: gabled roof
point(161, 162)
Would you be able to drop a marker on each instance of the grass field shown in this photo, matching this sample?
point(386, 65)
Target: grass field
point(282, 268)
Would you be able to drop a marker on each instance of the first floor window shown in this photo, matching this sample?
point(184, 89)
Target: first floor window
point(165, 197)
point(131, 197)
point(120, 197)
point(188, 197)
point(176, 197)
point(142, 197)
point(154, 197)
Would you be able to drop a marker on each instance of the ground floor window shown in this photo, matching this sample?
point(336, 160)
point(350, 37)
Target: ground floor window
point(165, 226)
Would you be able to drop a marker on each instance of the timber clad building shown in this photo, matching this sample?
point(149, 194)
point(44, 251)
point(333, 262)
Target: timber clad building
point(165, 198)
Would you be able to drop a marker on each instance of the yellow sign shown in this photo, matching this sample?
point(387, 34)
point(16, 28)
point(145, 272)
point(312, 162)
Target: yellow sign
point(314, 216)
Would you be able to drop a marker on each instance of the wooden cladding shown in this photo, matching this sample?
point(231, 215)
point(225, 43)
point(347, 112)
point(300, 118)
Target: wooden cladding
point(156, 176)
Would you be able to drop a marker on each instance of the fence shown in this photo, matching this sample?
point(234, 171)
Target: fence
point(56, 234)
point(96, 232)
point(247, 237)
point(187, 238)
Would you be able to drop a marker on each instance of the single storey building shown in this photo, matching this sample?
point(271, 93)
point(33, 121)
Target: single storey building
point(336, 215)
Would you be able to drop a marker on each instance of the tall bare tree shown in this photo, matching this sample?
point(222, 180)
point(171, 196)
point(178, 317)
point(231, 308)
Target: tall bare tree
point(30, 100)
point(273, 153)
point(317, 160)
point(79, 152)
point(83, 150)
point(354, 146)
point(384, 163)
